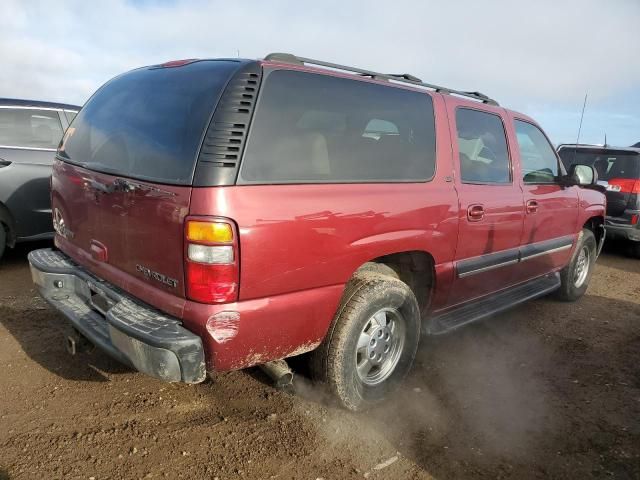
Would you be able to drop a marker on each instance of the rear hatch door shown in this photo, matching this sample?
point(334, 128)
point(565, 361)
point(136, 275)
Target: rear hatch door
point(123, 174)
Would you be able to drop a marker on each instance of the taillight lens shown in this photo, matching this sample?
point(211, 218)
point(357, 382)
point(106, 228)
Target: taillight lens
point(212, 283)
point(211, 261)
point(624, 185)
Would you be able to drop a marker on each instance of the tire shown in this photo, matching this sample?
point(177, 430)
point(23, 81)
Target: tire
point(3, 239)
point(380, 268)
point(391, 336)
point(574, 280)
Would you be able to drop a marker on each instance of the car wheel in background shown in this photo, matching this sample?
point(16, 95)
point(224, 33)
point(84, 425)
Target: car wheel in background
point(3, 239)
point(576, 275)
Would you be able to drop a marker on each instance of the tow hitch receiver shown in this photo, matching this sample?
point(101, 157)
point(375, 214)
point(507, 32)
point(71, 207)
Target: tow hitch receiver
point(76, 343)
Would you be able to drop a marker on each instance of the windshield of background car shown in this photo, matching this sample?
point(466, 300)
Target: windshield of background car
point(608, 163)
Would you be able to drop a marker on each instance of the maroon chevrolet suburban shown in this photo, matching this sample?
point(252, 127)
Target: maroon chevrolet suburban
point(212, 215)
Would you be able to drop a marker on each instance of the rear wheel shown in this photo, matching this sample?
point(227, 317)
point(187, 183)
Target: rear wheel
point(576, 275)
point(372, 342)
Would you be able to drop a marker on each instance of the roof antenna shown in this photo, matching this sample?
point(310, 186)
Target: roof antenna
point(605, 139)
point(575, 150)
point(238, 52)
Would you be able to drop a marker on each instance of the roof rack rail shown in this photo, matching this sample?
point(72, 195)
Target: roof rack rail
point(403, 77)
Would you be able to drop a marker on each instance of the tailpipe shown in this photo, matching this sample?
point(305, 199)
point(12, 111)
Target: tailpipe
point(279, 372)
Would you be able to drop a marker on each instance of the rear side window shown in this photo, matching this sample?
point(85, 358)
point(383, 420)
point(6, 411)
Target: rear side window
point(311, 128)
point(609, 164)
point(29, 128)
point(148, 123)
point(482, 144)
point(537, 157)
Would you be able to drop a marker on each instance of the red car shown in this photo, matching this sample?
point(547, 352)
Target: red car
point(212, 215)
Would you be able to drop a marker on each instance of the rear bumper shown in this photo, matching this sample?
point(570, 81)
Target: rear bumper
point(131, 332)
point(617, 229)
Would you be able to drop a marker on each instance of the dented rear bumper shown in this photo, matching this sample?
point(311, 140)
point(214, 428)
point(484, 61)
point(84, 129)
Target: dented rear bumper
point(133, 333)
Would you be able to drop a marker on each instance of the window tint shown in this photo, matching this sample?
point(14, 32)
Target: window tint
point(311, 128)
point(29, 128)
point(608, 163)
point(484, 157)
point(537, 158)
point(148, 123)
point(70, 115)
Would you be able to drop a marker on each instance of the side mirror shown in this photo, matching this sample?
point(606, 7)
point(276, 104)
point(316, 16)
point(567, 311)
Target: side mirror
point(582, 175)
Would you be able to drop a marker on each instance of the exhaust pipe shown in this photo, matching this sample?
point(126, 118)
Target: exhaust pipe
point(279, 372)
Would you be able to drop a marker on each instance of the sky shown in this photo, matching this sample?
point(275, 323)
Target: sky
point(537, 57)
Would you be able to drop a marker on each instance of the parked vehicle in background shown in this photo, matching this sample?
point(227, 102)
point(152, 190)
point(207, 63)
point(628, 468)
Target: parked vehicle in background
point(30, 132)
point(618, 169)
point(212, 215)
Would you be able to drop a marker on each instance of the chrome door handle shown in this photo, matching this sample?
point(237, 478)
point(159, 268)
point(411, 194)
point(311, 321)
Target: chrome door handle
point(475, 213)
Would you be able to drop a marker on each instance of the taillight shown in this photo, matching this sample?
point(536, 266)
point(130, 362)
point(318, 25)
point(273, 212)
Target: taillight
point(624, 185)
point(211, 261)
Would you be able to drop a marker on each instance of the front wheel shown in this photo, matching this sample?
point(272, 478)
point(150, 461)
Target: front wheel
point(372, 342)
point(576, 275)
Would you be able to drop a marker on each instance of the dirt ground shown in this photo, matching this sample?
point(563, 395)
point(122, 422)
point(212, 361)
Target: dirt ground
point(549, 390)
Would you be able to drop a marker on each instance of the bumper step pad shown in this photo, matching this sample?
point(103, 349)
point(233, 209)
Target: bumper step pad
point(133, 333)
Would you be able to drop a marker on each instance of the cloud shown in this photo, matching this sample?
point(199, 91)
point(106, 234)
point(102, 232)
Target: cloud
point(525, 54)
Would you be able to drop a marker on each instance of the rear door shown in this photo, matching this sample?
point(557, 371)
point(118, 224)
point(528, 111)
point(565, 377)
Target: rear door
point(490, 202)
point(551, 209)
point(122, 182)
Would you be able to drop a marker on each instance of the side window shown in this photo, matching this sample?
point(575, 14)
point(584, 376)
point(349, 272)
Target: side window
point(484, 157)
point(538, 160)
point(29, 128)
point(70, 115)
point(311, 128)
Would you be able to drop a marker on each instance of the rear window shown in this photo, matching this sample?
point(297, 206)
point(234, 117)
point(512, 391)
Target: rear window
point(30, 128)
point(148, 123)
point(608, 163)
point(311, 128)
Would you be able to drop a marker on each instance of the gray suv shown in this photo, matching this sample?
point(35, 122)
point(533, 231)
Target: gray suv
point(29, 135)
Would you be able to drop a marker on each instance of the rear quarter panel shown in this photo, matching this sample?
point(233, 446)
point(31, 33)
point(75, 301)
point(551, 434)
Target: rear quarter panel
point(300, 244)
point(295, 237)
